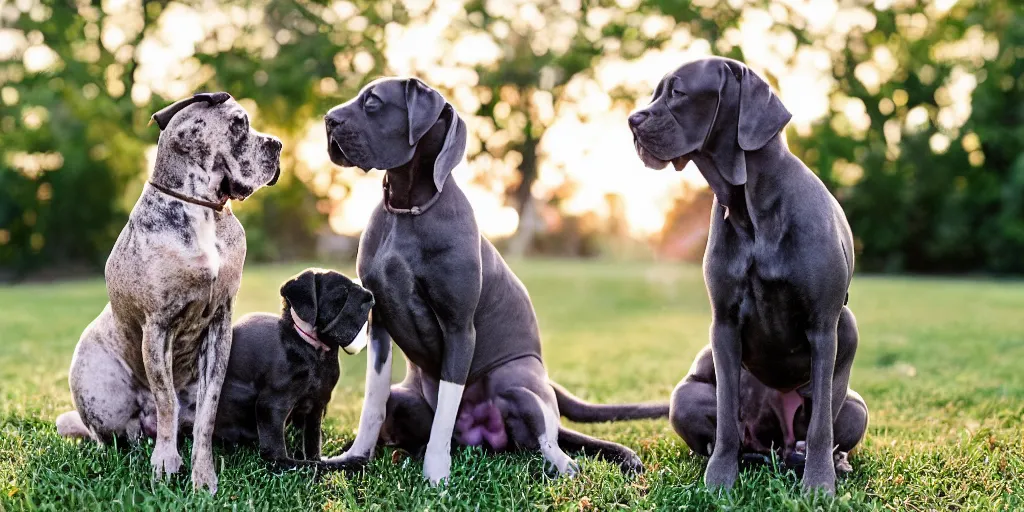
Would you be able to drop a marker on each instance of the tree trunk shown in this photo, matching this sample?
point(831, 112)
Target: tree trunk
point(522, 241)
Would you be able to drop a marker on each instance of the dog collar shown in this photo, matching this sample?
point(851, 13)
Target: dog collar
point(217, 207)
point(312, 339)
point(415, 210)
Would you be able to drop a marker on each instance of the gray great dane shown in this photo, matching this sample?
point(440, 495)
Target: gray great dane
point(779, 258)
point(443, 293)
point(171, 279)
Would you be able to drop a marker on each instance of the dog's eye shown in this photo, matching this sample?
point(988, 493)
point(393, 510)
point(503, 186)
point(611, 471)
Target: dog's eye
point(676, 93)
point(372, 103)
point(239, 125)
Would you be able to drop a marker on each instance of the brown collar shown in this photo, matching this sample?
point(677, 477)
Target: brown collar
point(415, 210)
point(217, 207)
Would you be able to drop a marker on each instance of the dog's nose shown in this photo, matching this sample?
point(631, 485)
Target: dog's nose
point(276, 144)
point(331, 122)
point(637, 118)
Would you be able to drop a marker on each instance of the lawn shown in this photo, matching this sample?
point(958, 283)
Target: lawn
point(941, 365)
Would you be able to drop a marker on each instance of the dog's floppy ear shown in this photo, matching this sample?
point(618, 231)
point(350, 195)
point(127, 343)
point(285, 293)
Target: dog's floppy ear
point(301, 294)
point(351, 316)
point(452, 151)
point(164, 115)
point(762, 114)
point(424, 106)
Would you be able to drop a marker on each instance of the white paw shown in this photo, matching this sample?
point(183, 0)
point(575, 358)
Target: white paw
point(165, 461)
point(437, 467)
point(561, 466)
point(204, 477)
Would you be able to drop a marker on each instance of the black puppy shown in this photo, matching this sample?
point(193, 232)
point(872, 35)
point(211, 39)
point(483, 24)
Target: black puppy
point(283, 368)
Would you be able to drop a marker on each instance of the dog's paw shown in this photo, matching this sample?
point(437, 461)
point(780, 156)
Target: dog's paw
point(166, 460)
point(631, 465)
point(204, 476)
point(721, 472)
point(820, 476)
point(345, 462)
point(842, 460)
point(570, 470)
point(560, 465)
point(437, 467)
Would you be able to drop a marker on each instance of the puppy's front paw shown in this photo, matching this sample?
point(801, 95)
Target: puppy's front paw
point(722, 472)
point(437, 467)
point(204, 476)
point(165, 461)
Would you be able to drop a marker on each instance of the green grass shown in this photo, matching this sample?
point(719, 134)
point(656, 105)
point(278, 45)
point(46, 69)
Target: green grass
point(941, 364)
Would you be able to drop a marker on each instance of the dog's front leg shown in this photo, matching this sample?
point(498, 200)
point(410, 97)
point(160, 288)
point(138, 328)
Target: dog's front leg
point(375, 399)
point(270, 425)
point(157, 360)
point(213, 365)
point(723, 467)
point(819, 469)
point(312, 432)
point(459, 345)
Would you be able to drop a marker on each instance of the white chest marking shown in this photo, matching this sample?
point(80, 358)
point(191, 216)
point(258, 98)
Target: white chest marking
point(206, 238)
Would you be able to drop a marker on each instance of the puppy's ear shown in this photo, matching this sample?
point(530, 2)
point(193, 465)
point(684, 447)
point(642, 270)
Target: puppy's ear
point(762, 114)
point(301, 294)
point(342, 323)
point(424, 106)
point(163, 117)
point(452, 151)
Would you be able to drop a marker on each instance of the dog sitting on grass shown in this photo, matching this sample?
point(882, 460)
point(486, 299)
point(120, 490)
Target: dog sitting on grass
point(283, 369)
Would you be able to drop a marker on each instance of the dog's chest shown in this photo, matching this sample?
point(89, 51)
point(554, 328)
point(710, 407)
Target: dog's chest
point(399, 284)
point(757, 294)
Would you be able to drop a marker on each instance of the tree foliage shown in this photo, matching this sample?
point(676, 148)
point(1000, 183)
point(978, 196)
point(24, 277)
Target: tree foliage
point(923, 192)
point(932, 180)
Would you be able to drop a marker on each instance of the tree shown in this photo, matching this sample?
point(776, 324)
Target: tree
point(77, 95)
point(926, 187)
point(542, 48)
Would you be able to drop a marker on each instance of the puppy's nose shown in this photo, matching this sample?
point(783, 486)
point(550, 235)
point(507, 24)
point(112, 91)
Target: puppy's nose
point(637, 118)
point(276, 144)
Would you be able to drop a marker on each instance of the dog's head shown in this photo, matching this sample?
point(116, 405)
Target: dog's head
point(328, 306)
point(385, 126)
point(713, 105)
point(206, 139)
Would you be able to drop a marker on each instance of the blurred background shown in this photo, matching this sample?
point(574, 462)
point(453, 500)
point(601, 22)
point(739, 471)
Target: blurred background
point(910, 112)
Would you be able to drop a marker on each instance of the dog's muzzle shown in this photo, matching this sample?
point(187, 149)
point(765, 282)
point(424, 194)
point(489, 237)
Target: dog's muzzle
point(358, 343)
point(333, 146)
point(275, 146)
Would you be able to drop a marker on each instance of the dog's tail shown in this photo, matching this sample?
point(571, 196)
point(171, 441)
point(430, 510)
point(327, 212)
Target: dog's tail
point(575, 409)
point(70, 424)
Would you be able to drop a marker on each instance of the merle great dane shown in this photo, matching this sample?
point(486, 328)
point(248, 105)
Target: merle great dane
point(443, 293)
point(778, 265)
point(171, 279)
